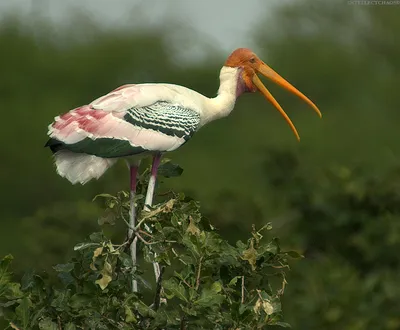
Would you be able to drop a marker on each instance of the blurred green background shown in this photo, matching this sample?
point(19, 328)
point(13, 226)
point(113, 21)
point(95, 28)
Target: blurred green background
point(335, 197)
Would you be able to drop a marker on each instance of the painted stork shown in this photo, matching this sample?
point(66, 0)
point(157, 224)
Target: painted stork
point(140, 120)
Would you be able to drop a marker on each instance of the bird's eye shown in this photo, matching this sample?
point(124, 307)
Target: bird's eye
point(252, 60)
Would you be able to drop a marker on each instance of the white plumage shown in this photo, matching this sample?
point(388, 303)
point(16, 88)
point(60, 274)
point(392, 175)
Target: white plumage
point(81, 168)
point(108, 118)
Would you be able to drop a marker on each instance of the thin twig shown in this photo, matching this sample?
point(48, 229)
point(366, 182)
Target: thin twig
point(144, 241)
point(151, 243)
point(127, 223)
point(183, 323)
point(198, 273)
point(131, 234)
point(166, 193)
point(144, 233)
point(189, 286)
point(148, 202)
point(128, 242)
point(136, 235)
point(259, 294)
point(140, 223)
point(157, 297)
point(242, 300)
point(284, 282)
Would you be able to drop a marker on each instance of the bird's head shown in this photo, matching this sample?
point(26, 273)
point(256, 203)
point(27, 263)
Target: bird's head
point(251, 64)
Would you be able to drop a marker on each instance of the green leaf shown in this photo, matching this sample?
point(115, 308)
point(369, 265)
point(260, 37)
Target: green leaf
point(211, 296)
point(81, 246)
point(169, 170)
point(28, 280)
point(145, 283)
point(60, 299)
point(294, 254)
point(188, 310)
point(64, 267)
point(108, 196)
point(5, 263)
point(109, 217)
point(273, 246)
point(106, 276)
point(175, 220)
point(216, 287)
point(121, 195)
point(47, 324)
point(96, 253)
point(250, 255)
point(144, 310)
point(70, 326)
point(190, 245)
point(234, 281)
point(125, 259)
point(66, 278)
point(23, 313)
point(283, 324)
point(243, 308)
point(129, 316)
point(5, 275)
point(192, 228)
point(80, 301)
point(175, 289)
point(263, 305)
point(13, 291)
point(193, 294)
point(97, 237)
point(171, 317)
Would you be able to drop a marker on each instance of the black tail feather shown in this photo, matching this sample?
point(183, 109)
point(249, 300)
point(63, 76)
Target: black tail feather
point(54, 145)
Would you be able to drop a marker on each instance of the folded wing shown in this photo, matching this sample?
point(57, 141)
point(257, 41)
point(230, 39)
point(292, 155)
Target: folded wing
point(125, 122)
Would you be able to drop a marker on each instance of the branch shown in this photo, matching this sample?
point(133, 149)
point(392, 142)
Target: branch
point(157, 298)
point(183, 323)
point(131, 235)
point(198, 273)
point(242, 300)
point(184, 281)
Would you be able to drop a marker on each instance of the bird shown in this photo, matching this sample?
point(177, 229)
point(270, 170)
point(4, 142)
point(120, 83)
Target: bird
point(135, 121)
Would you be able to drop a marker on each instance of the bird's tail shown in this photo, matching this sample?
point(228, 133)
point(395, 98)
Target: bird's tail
point(81, 168)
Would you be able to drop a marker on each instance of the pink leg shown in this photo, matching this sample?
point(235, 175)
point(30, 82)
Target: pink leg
point(133, 169)
point(132, 220)
point(152, 181)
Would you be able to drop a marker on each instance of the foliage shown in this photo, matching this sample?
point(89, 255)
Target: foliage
point(347, 222)
point(206, 282)
point(343, 218)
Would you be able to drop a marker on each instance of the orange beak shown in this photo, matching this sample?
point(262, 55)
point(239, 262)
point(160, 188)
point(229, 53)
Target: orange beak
point(266, 71)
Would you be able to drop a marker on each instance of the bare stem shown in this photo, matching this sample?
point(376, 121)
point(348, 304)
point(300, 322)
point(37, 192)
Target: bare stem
point(131, 236)
point(145, 233)
point(12, 325)
point(59, 322)
point(157, 298)
point(242, 300)
point(198, 273)
point(183, 323)
point(149, 202)
point(188, 285)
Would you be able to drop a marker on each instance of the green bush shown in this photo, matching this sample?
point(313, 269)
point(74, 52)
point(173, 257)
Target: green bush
point(205, 283)
point(347, 223)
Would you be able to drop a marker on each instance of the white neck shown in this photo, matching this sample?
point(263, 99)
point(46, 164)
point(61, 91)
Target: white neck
point(223, 104)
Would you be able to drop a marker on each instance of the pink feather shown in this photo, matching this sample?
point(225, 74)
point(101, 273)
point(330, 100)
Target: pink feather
point(85, 121)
